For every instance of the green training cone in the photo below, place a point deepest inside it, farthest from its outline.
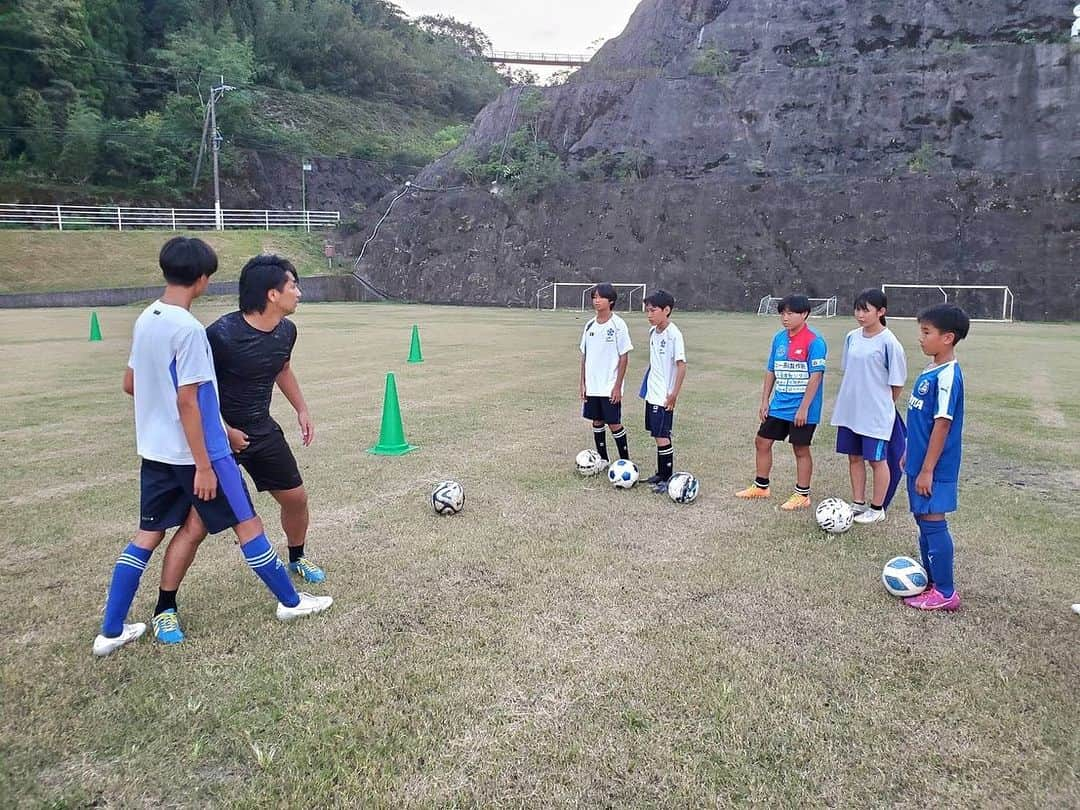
(392, 433)
(95, 328)
(415, 355)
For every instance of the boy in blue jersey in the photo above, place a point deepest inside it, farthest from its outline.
(790, 401)
(187, 464)
(935, 427)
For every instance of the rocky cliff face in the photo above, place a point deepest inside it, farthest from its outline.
(820, 146)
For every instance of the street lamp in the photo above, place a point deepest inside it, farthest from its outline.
(306, 166)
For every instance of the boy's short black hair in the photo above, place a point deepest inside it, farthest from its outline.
(607, 291)
(794, 303)
(660, 299)
(184, 260)
(947, 318)
(260, 275)
(871, 298)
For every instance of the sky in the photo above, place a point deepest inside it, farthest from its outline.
(563, 26)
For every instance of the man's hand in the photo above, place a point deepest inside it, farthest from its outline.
(238, 440)
(307, 427)
(583, 397)
(924, 484)
(800, 416)
(205, 484)
(669, 403)
(616, 395)
(763, 412)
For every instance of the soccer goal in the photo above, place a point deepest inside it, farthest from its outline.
(578, 295)
(987, 303)
(822, 307)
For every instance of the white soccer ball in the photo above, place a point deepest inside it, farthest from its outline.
(447, 498)
(682, 487)
(903, 576)
(834, 515)
(589, 462)
(623, 473)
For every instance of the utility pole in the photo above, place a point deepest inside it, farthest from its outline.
(305, 167)
(210, 125)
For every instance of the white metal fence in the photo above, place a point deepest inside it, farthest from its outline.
(76, 217)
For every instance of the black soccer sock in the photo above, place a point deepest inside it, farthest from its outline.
(802, 490)
(665, 461)
(858, 503)
(877, 507)
(621, 443)
(166, 600)
(599, 435)
(296, 552)
(761, 483)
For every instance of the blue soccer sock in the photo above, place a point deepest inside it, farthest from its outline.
(939, 552)
(924, 551)
(125, 582)
(264, 561)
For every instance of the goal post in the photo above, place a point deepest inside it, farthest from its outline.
(578, 295)
(821, 307)
(987, 303)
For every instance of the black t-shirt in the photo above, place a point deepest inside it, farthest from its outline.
(247, 362)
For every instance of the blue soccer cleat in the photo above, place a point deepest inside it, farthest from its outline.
(307, 571)
(167, 627)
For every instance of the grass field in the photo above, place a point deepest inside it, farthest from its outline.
(558, 643)
(46, 261)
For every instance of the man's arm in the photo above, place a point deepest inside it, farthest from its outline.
(187, 402)
(616, 392)
(290, 387)
(924, 484)
(582, 377)
(680, 375)
(811, 389)
(129, 381)
(896, 391)
(766, 393)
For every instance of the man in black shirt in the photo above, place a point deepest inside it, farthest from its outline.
(252, 351)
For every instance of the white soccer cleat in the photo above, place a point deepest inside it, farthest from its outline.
(103, 645)
(870, 516)
(1076, 608)
(307, 606)
(858, 508)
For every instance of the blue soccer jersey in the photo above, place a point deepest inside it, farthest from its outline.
(938, 393)
(793, 359)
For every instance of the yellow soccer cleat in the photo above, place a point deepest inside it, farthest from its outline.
(753, 491)
(796, 501)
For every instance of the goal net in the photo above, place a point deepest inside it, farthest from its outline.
(988, 303)
(578, 295)
(822, 307)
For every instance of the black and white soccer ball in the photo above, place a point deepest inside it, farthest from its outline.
(589, 462)
(834, 515)
(448, 498)
(623, 473)
(682, 487)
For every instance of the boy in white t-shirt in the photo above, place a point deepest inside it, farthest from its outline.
(187, 464)
(667, 370)
(605, 349)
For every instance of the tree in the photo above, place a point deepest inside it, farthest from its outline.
(468, 37)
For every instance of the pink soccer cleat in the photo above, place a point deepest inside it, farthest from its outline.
(933, 600)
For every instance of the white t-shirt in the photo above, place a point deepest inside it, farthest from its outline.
(603, 344)
(870, 365)
(168, 349)
(666, 349)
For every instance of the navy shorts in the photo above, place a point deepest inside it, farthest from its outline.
(658, 421)
(270, 462)
(168, 493)
(602, 409)
(780, 429)
(851, 443)
(944, 496)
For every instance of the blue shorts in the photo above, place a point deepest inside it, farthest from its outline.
(943, 497)
(602, 409)
(851, 443)
(658, 421)
(168, 493)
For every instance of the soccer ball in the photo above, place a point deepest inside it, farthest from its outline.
(447, 498)
(904, 577)
(834, 515)
(589, 462)
(682, 487)
(623, 473)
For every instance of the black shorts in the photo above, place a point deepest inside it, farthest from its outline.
(270, 462)
(780, 429)
(602, 409)
(168, 493)
(658, 421)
